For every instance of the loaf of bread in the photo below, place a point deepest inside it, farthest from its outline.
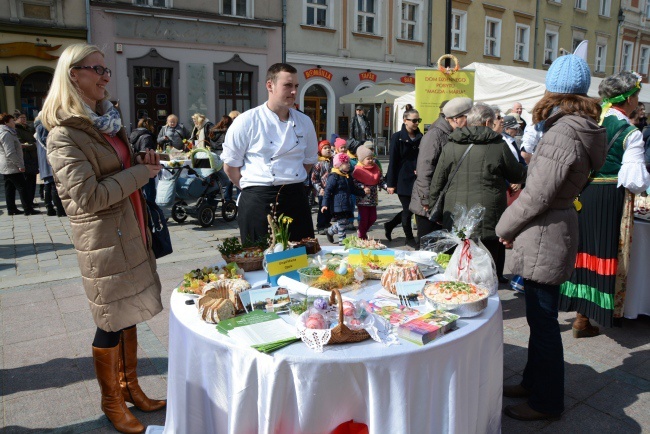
(213, 310)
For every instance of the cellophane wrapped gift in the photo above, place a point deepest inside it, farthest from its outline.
(471, 262)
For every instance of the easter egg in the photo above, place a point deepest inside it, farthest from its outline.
(315, 321)
(320, 303)
(348, 308)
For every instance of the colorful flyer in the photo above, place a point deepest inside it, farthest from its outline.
(382, 258)
(286, 263)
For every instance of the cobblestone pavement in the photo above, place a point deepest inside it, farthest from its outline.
(47, 377)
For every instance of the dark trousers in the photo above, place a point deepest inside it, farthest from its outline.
(498, 252)
(323, 218)
(30, 188)
(15, 182)
(52, 199)
(104, 339)
(544, 372)
(425, 226)
(403, 217)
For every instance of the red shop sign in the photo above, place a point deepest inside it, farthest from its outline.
(367, 76)
(318, 72)
(408, 79)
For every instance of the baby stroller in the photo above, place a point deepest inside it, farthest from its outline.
(199, 194)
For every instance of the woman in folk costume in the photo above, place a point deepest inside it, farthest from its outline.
(596, 289)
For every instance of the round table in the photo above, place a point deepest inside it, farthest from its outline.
(451, 385)
(637, 296)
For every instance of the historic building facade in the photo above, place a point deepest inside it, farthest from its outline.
(32, 36)
(634, 37)
(195, 56)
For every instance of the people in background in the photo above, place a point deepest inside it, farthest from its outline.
(50, 195)
(201, 132)
(452, 116)
(218, 134)
(172, 134)
(30, 155)
(142, 140)
(368, 177)
(404, 149)
(360, 130)
(99, 181)
(319, 174)
(518, 109)
(12, 167)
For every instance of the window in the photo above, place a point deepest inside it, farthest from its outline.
(43, 10)
(626, 58)
(366, 16)
(235, 92)
(550, 47)
(237, 8)
(522, 34)
(581, 4)
(643, 59)
(576, 42)
(647, 9)
(458, 30)
(601, 58)
(605, 6)
(492, 36)
(409, 24)
(157, 3)
(316, 13)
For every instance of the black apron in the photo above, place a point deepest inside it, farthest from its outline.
(255, 205)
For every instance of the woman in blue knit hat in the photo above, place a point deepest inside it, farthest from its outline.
(596, 289)
(542, 227)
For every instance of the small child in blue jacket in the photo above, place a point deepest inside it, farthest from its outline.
(340, 186)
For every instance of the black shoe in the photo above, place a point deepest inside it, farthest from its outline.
(15, 212)
(388, 229)
(32, 212)
(411, 243)
(51, 212)
(503, 279)
(61, 214)
(330, 237)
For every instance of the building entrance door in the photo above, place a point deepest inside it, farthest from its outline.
(316, 109)
(153, 95)
(33, 91)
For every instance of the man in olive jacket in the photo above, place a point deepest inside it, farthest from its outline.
(452, 116)
(482, 176)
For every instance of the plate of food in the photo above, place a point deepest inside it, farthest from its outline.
(461, 298)
(354, 242)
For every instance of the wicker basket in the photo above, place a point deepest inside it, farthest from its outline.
(342, 333)
(247, 264)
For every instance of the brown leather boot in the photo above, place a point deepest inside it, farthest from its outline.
(582, 328)
(106, 367)
(131, 390)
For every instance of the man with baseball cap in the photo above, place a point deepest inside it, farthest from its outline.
(455, 116)
(360, 126)
(511, 129)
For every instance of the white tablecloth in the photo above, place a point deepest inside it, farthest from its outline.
(452, 385)
(637, 297)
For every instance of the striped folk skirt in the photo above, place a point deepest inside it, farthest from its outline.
(597, 287)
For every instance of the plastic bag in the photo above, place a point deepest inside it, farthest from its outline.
(471, 262)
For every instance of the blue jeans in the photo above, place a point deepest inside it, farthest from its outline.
(544, 372)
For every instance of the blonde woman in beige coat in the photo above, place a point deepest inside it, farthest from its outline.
(99, 182)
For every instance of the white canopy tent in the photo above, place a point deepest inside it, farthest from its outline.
(383, 92)
(503, 86)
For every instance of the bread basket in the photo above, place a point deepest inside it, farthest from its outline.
(247, 264)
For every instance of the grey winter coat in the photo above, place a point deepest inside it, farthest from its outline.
(430, 150)
(11, 152)
(543, 221)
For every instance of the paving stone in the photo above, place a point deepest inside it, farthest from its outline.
(55, 373)
(585, 419)
(24, 314)
(23, 297)
(78, 320)
(46, 256)
(620, 400)
(582, 381)
(73, 304)
(67, 290)
(46, 326)
(36, 352)
(35, 411)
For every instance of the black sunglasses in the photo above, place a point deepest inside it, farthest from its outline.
(415, 121)
(100, 70)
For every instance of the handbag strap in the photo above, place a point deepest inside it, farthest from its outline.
(451, 177)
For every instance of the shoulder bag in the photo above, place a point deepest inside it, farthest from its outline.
(436, 212)
(161, 242)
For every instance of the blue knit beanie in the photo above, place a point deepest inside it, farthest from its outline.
(568, 74)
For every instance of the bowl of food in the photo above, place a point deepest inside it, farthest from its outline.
(309, 275)
(463, 299)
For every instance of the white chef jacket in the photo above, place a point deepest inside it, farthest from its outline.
(268, 150)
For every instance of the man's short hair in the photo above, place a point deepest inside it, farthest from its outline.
(275, 69)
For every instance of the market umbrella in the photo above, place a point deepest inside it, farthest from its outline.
(383, 92)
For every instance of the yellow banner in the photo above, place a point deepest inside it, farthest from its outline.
(432, 87)
(383, 258)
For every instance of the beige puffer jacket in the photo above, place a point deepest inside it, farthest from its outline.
(118, 268)
(543, 221)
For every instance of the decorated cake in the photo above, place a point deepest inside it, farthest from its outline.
(450, 292)
(400, 271)
(310, 244)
